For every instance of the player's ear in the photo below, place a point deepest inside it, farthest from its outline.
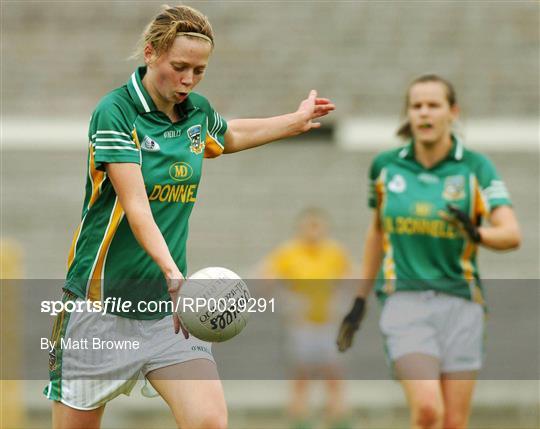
(149, 54)
(455, 111)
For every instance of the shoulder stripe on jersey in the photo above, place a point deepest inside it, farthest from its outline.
(213, 126)
(220, 122)
(217, 124)
(95, 282)
(117, 133)
(116, 148)
(139, 93)
(497, 188)
(495, 184)
(116, 140)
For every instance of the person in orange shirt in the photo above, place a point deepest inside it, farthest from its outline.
(310, 266)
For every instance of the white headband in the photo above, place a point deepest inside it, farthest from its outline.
(199, 35)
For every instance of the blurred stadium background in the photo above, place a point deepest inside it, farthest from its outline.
(59, 58)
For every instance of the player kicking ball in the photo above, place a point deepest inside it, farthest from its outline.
(148, 139)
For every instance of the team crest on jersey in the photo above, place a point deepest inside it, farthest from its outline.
(194, 134)
(149, 145)
(397, 184)
(454, 188)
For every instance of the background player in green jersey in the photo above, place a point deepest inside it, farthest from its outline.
(429, 199)
(147, 142)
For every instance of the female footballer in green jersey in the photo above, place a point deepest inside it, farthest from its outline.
(147, 142)
(429, 198)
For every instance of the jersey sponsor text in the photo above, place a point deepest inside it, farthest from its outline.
(174, 193)
(436, 228)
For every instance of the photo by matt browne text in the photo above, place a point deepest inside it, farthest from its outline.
(147, 142)
(429, 200)
(93, 343)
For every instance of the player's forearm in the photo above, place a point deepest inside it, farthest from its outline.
(503, 233)
(128, 184)
(500, 237)
(151, 240)
(371, 262)
(245, 134)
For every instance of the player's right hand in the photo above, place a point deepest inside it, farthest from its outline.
(311, 108)
(173, 286)
(350, 324)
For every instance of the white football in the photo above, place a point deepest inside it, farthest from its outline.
(213, 304)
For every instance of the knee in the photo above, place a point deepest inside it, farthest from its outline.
(207, 420)
(428, 415)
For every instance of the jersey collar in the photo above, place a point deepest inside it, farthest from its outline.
(456, 153)
(142, 99)
(138, 92)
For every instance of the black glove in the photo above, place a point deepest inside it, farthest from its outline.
(465, 223)
(350, 324)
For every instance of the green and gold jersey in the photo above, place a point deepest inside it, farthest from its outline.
(105, 259)
(421, 250)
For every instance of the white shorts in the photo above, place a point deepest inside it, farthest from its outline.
(312, 344)
(87, 369)
(440, 325)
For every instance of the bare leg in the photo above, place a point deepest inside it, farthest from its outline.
(64, 417)
(335, 408)
(419, 376)
(193, 392)
(298, 408)
(457, 391)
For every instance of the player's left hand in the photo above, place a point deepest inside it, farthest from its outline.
(312, 108)
(462, 221)
(351, 324)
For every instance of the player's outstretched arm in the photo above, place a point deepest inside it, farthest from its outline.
(245, 134)
(128, 184)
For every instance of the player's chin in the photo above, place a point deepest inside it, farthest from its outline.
(426, 137)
